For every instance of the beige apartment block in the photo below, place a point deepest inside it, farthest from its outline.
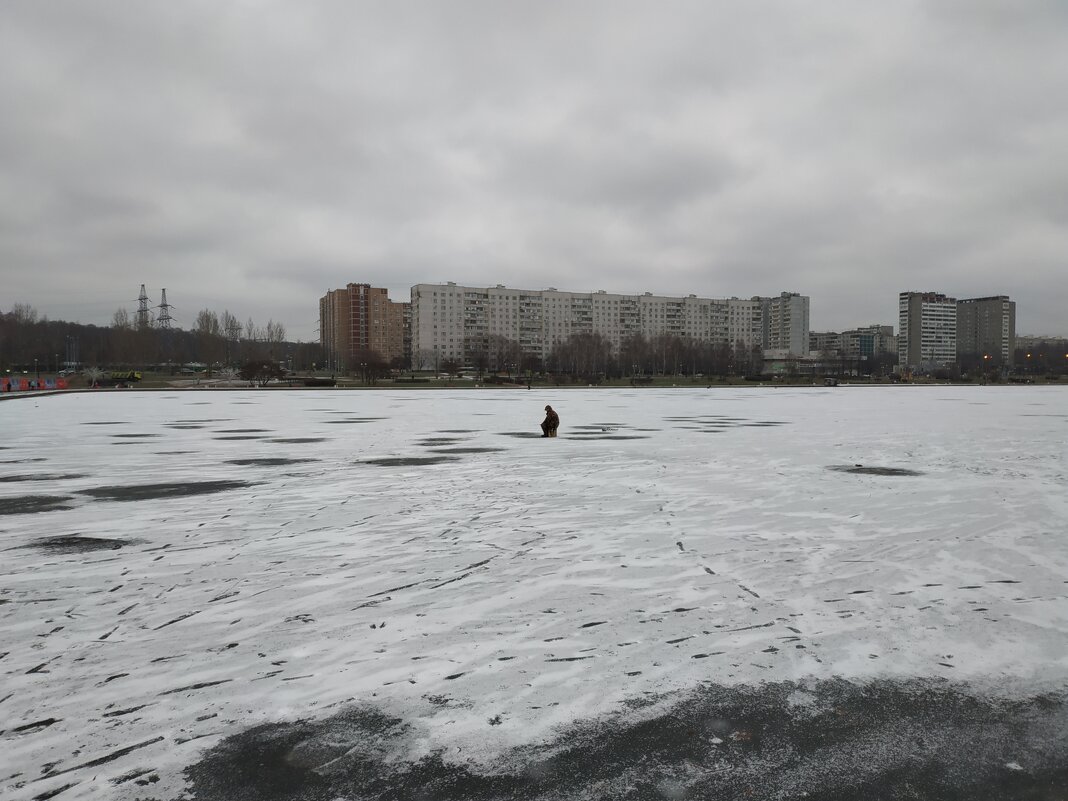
(452, 322)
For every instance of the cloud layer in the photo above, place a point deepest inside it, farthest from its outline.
(254, 155)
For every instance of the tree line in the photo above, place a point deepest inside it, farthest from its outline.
(590, 355)
(28, 339)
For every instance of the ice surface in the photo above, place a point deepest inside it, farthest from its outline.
(205, 561)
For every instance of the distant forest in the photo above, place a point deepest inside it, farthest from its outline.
(29, 341)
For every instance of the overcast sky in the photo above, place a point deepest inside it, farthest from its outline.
(252, 155)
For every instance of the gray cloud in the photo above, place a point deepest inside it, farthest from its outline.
(252, 156)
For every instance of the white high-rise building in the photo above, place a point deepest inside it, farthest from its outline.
(451, 321)
(455, 322)
(927, 330)
(785, 323)
(745, 323)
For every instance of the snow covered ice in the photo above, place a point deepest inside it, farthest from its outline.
(176, 568)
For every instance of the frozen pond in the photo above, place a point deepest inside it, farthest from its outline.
(426, 582)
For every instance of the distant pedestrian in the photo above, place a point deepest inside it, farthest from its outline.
(550, 423)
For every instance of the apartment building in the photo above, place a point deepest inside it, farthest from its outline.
(856, 343)
(454, 322)
(824, 342)
(927, 330)
(986, 327)
(868, 341)
(361, 320)
(745, 323)
(785, 326)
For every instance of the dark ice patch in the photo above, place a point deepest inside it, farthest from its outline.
(275, 762)
(519, 434)
(715, 424)
(244, 431)
(76, 543)
(269, 461)
(296, 440)
(145, 492)
(41, 477)
(864, 470)
(134, 436)
(826, 740)
(584, 436)
(29, 504)
(469, 450)
(410, 461)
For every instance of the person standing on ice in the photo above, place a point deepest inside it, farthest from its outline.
(550, 423)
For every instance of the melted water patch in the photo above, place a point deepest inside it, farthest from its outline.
(828, 740)
(76, 543)
(145, 492)
(30, 504)
(409, 461)
(269, 461)
(872, 470)
(41, 477)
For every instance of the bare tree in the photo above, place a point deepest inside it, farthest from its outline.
(585, 355)
(476, 353)
(23, 314)
(208, 323)
(254, 337)
(275, 336)
(276, 332)
(261, 372)
(504, 353)
(209, 337)
(369, 365)
(426, 359)
(232, 330)
(450, 366)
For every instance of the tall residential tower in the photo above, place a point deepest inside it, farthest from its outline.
(927, 330)
(986, 328)
(361, 322)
